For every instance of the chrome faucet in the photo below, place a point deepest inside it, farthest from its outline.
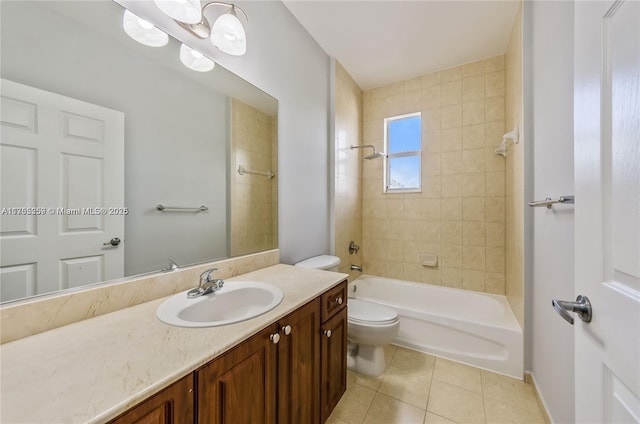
(207, 284)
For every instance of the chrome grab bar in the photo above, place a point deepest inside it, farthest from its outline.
(581, 306)
(548, 201)
(163, 208)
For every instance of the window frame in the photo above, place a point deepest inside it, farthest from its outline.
(408, 153)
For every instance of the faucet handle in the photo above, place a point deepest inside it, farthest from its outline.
(205, 277)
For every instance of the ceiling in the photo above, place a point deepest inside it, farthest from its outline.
(382, 42)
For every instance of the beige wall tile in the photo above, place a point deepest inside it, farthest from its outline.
(494, 107)
(451, 139)
(431, 164)
(451, 162)
(451, 74)
(473, 185)
(473, 160)
(452, 185)
(451, 116)
(452, 257)
(494, 283)
(473, 209)
(495, 184)
(473, 257)
(495, 259)
(452, 277)
(473, 69)
(431, 97)
(431, 231)
(451, 93)
(494, 64)
(494, 84)
(452, 233)
(495, 233)
(473, 136)
(431, 209)
(473, 280)
(473, 112)
(495, 209)
(472, 88)
(451, 209)
(473, 233)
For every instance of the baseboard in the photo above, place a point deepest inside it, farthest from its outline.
(528, 378)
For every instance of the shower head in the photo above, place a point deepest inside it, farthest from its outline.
(373, 155)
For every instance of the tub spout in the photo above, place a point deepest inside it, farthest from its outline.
(356, 268)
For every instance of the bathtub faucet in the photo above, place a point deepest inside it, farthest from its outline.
(356, 268)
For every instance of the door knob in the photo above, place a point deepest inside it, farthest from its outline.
(113, 242)
(582, 307)
(327, 333)
(286, 329)
(275, 338)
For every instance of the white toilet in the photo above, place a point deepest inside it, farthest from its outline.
(370, 326)
(326, 262)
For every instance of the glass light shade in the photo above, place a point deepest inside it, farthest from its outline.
(143, 31)
(228, 35)
(195, 60)
(187, 11)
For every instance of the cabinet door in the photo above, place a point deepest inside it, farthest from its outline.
(299, 366)
(334, 362)
(240, 386)
(173, 405)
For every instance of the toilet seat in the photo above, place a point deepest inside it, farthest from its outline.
(362, 311)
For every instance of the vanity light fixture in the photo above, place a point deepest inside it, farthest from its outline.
(187, 11)
(227, 33)
(195, 60)
(143, 31)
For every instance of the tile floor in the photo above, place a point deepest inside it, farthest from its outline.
(417, 388)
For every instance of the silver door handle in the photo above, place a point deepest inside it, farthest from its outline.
(113, 242)
(582, 307)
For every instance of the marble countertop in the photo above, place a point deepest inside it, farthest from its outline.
(93, 370)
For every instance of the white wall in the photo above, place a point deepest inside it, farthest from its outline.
(549, 107)
(286, 62)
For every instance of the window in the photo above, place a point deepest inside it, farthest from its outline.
(403, 144)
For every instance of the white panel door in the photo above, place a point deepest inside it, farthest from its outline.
(607, 182)
(62, 192)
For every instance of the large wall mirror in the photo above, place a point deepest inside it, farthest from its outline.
(116, 158)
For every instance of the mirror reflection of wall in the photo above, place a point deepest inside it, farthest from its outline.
(177, 138)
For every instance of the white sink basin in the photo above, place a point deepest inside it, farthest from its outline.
(236, 301)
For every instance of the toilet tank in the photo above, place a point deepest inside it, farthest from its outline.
(326, 262)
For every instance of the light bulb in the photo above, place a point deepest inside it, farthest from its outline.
(228, 34)
(143, 31)
(195, 60)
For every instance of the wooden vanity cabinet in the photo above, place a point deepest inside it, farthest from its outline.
(299, 366)
(240, 386)
(173, 405)
(333, 349)
(292, 372)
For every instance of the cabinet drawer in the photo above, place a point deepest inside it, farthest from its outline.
(333, 300)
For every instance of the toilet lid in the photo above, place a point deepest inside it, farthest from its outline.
(362, 310)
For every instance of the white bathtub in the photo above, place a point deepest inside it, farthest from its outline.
(475, 328)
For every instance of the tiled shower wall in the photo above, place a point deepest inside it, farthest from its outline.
(253, 197)
(460, 213)
(348, 183)
(514, 270)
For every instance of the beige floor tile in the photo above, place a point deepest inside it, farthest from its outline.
(354, 404)
(509, 390)
(436, 419)
(458, 374)
(389, 352)
(411, 387)
(386, 410)
(363, 380)
(502, 413)
(412, 360)
(457, 404)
